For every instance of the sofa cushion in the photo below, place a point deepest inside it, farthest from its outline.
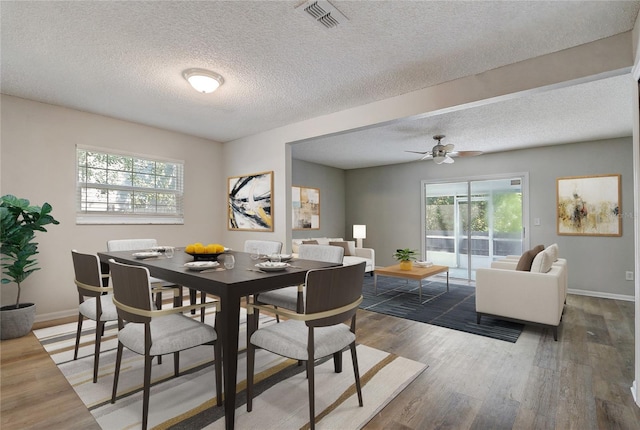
(310, 242)
(345, 245)
(542, 262)
(553, 250)
(524, 264)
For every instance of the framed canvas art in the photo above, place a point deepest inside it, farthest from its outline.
(589, 205)
(251, 202)
(306, 208)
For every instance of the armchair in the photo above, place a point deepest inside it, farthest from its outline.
(527, 297)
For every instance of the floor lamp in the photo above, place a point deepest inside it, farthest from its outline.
(359, 233)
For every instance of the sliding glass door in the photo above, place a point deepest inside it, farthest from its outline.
(468, 224)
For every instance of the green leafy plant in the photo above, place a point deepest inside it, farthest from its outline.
(18, 223)
(405, 254)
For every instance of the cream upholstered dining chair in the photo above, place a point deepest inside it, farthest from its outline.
(95, 302)
(263, 247)
(293, 297)
(150, 332)
(333, 296)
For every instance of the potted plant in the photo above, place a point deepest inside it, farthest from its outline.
(406, 257)
(19, 222)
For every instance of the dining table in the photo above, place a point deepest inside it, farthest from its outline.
(230, 286)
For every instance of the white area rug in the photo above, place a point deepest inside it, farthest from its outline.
(189, 401)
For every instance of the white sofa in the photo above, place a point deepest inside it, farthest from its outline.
(535, 296)
(356, 256)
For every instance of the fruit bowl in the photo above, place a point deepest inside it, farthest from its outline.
(205, 257)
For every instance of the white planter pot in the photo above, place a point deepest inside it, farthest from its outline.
(16, 322)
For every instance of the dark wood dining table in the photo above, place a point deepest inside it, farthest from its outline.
(230, 286)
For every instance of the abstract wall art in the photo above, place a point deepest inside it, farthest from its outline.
(589, 205)
(306, 208)
(251, 202)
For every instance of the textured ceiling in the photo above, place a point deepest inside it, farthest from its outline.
(125, 59)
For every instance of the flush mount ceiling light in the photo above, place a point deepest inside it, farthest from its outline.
(203, 81)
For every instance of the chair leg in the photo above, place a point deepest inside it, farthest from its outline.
(251, 353)
(80, 320)
(147, 388)
(116, 373)
(159, 300)
(176, 363)
(312, 395)
(96, 351)
(356, 371)
(217, 356)
(193, 299)
(203, 300)
(337, 362)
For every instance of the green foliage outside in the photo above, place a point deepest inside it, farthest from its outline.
(507, 214)
(145, 186)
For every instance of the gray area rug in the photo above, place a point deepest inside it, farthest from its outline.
(455, 309)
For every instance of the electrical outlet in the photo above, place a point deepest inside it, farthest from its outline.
(628, 276)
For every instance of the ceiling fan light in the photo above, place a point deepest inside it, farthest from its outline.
(203, 81)
(438, 159)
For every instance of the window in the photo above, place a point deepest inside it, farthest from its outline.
(116, 188)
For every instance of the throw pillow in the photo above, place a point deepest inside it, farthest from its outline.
(309, 242)
(553, 250)
(524, 264)
(542, 262)
(344, 245)
(352, 247)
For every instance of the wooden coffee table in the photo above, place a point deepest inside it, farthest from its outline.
(417, 273)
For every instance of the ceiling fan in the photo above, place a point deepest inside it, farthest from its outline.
(443, 153)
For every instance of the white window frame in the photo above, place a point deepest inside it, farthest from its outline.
(107, 216)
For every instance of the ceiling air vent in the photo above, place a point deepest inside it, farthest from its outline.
(323, 12)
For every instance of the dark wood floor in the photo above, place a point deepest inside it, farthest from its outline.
(580, 382)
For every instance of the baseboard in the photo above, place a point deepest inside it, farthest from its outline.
(56, 315)
(601, 295)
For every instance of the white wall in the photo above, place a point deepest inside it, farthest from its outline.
(388, 200)
(635, 389)
(39, 163)
(331, 182)
(270, 150)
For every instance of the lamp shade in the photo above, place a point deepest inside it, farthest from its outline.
(359, 231)
(203, 81)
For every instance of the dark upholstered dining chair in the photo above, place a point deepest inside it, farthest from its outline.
(333, 296)
(95, 302)
(150, 332)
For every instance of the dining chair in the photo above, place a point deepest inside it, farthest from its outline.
(95, 302)
(159, 285)
(333, 296)
(263, 247)
(292, 298)
(150, 332)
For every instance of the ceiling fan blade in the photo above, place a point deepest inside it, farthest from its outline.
(426, 156)
(448, 147)
(468, 153)
(420, 152)
(448, 160)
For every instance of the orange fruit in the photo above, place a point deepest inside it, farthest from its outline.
(190, 249)
(199, 248)
(211, 248)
